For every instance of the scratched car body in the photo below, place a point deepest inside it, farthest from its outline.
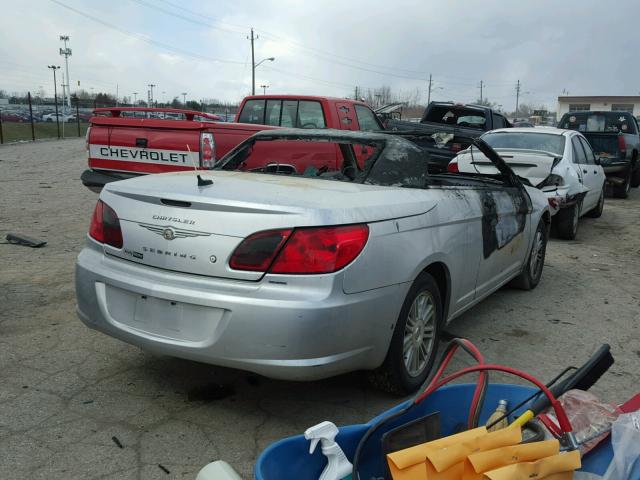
(309, 274)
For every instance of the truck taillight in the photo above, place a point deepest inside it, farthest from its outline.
(622, 145)
(455, 147)
(301, 251)
(207, 150)
(105, 225)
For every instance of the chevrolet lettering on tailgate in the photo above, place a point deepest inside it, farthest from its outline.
(144, 155)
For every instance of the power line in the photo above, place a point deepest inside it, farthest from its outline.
(144, 38)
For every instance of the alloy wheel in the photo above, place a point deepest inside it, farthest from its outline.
(419, 333)
(537, 254)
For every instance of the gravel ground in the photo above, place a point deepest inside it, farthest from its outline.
(71, 397)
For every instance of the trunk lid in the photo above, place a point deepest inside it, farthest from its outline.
(533, 165)
(169, 222)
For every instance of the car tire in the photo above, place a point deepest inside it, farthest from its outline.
(596, 212)
(623, 190)
(566, 222)
(414, 343)
(635, 176)
(530, 276)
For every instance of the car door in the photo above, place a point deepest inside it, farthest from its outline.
(594, 178)
(583, 168)
(504, 233)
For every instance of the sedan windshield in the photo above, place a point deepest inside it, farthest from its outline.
(546, 142)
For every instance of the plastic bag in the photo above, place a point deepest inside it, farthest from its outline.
(588, 417)
(625, 439)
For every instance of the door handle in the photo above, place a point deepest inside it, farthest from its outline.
(595, 171)
(584, 170)
(141, 142)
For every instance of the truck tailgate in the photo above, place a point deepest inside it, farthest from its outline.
(144, 145)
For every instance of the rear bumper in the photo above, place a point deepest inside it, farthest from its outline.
(94, 180)
(304, 329)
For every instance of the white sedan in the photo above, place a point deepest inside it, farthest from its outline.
(559, 162)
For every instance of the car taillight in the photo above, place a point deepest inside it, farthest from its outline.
(622, 146)
(207, 150)
(453, 167)
(301, 251)
(105, 225)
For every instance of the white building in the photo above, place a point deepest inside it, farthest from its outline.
(601, 103)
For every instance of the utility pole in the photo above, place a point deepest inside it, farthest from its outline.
(429, 94)
(184, 98)
(481, 84)
(66, 52)
(135, 98)
(117, 94)
(515, 114)
(150, 92)
(55, 95)
(253, 64)
(355, 95)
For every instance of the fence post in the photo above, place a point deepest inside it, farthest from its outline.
(78, 114)
(1, 132)
(33, 132)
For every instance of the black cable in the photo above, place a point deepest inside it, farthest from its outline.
(531, 397)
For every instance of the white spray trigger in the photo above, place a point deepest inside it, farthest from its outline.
(338, 466)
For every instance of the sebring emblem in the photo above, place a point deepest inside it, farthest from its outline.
(168, 234)
(171, 233)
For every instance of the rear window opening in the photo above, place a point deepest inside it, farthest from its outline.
(545, 142)
(283, 113)
(458, 116)
(605, 122)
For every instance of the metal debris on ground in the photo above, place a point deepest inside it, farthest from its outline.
(17, 239)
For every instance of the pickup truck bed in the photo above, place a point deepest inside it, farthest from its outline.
(122, 144)
(447, 128)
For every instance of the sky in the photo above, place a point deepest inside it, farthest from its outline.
(326, 47)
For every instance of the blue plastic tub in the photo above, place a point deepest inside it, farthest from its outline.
(289, 458)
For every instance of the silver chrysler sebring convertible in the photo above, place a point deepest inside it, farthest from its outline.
(306, 254)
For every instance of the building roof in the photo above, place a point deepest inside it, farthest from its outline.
(600, 98)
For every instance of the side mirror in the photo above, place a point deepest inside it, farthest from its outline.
(598, 161)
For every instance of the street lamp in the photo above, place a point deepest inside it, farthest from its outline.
(264, 89)
(253, 73)
(55, 95)
(135, 98)
(184, 98)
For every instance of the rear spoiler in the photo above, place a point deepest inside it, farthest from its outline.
(188, 114)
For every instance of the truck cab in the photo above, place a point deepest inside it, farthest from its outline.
(305, 111)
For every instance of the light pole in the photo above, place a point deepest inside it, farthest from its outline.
(264, 89)
(135, 98)
(55, 95)
(150, 100)
(184, 98)
(66, 52)
(164, 98)
(253, 71)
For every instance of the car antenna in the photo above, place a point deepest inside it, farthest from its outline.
(201, 181)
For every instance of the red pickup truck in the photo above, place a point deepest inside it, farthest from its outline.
(127, 141)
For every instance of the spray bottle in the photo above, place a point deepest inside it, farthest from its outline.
(338, 466)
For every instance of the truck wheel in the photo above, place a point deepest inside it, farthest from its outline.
(566, 222)
(623, 190)
(596, 212)
(415, 340)
(530, 276)
(635, 177)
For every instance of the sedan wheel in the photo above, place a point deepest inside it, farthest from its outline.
(414, 342)
(532, 272)
(566, 222)
(418, 334)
